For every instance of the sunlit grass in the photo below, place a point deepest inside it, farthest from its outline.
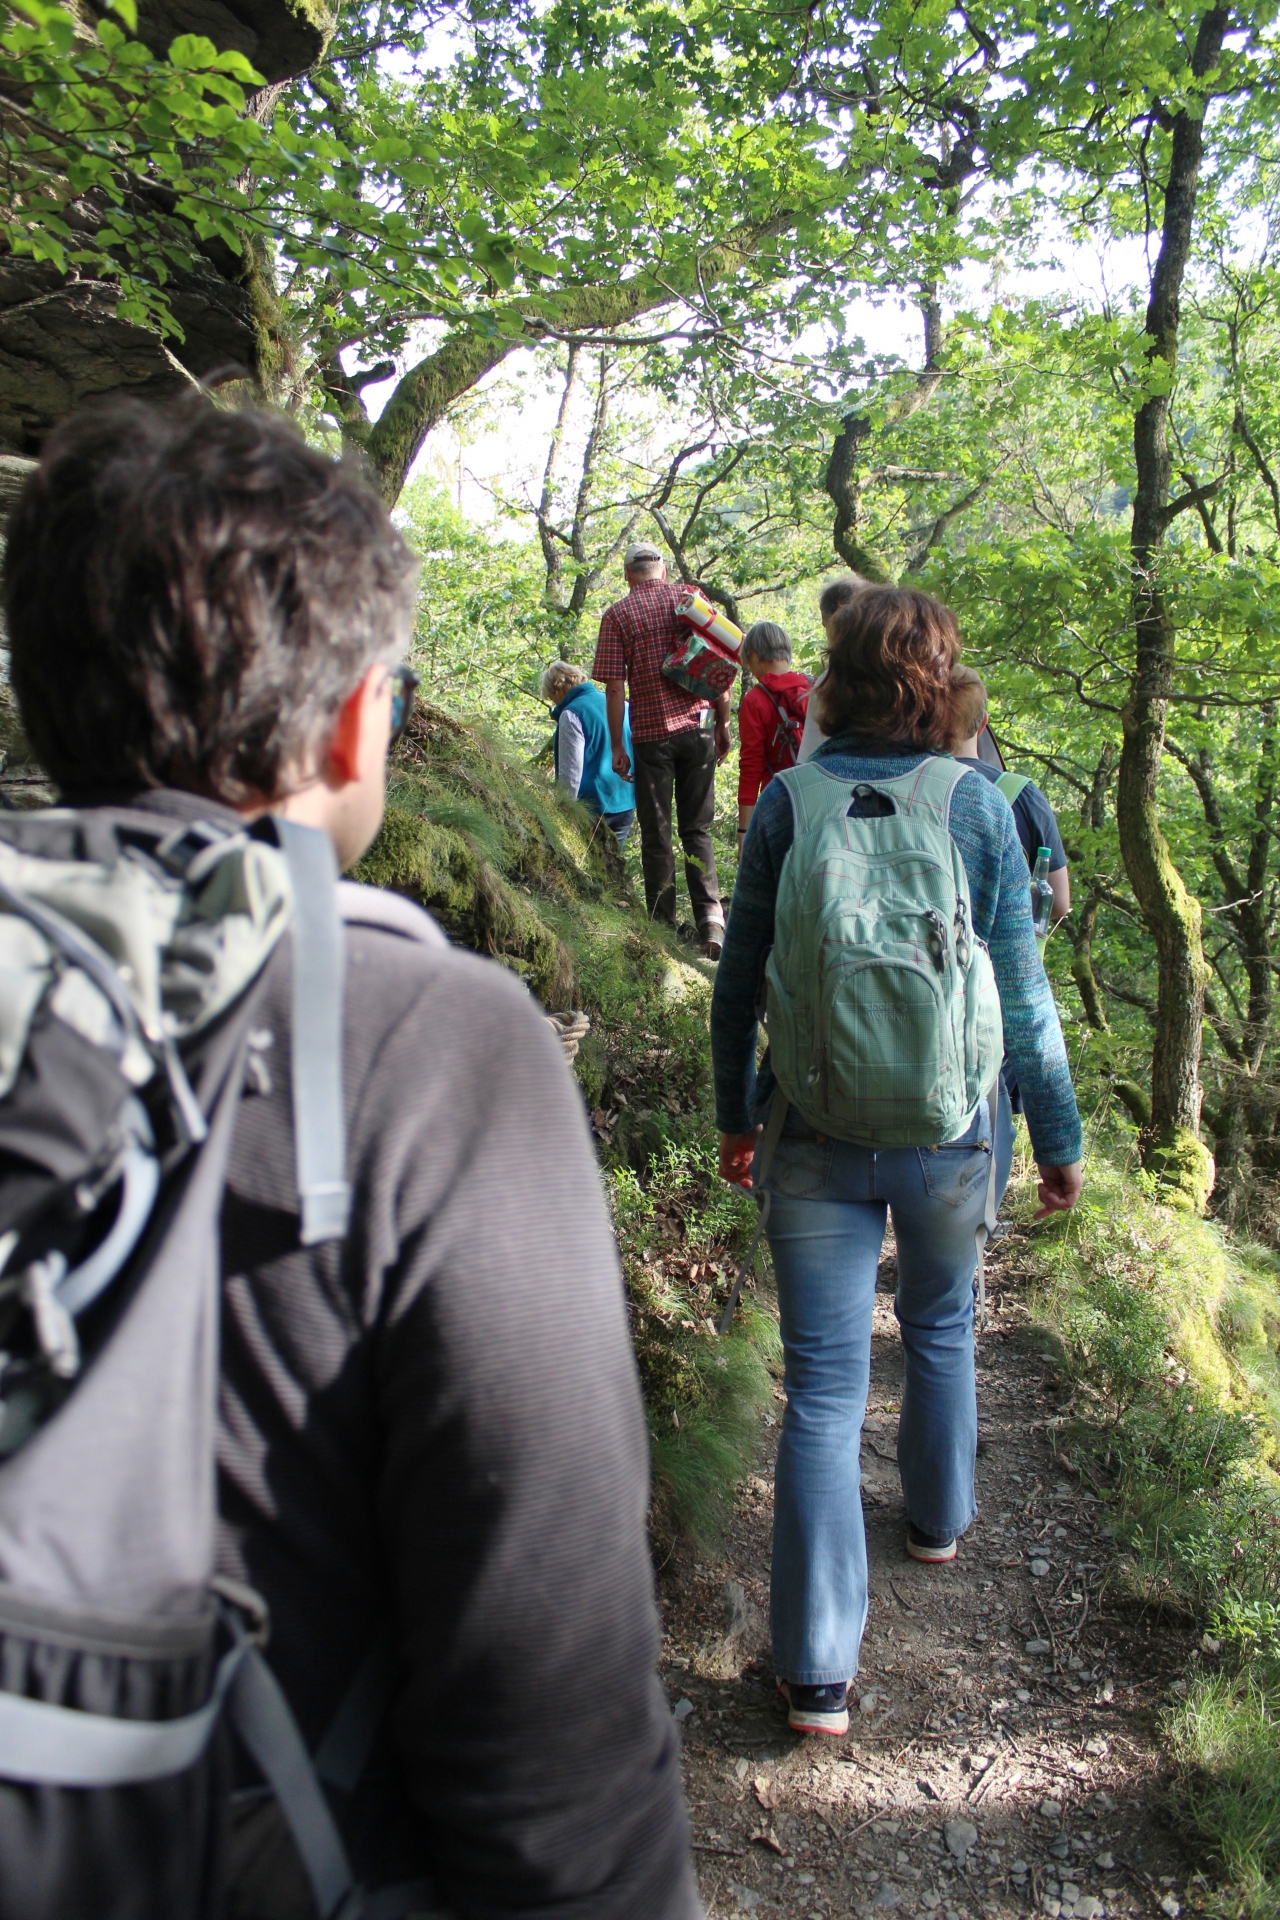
(1169, 1332)
(1225, 1739)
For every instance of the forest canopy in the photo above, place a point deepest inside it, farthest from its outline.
(676, 211)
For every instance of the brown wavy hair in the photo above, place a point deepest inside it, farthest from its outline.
(892, 652)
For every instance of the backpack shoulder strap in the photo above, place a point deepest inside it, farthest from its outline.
(929, 787)
(318, 1114)
(1011, 785)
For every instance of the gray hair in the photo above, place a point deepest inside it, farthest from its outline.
(557, 679)
(767, 641)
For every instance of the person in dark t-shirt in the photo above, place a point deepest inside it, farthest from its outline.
(1037, 827)
(1032, 814)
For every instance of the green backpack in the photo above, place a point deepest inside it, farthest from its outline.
(883, 1014)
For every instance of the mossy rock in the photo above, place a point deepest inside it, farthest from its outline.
(591, 1068)
(1184, 1168)
(490, 847)
(441, 870)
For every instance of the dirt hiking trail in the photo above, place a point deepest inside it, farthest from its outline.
(1002, 1755)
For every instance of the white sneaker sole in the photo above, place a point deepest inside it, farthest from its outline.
(805, 1720)
(931, 1556)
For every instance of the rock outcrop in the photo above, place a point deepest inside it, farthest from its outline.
(61, 342)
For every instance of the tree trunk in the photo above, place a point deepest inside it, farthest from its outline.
(587, 575)
(1086, 923)
(841, 482)
(552, 555)
(1171, 1144)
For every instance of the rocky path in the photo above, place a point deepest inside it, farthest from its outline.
(1002, 1757)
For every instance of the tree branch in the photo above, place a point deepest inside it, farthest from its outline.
(1192, 499)
(1240, 427)
(428, 389)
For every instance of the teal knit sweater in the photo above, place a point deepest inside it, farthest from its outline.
(983, 829)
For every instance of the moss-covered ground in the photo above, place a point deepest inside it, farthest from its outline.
(512, 869)
(1169, 1331)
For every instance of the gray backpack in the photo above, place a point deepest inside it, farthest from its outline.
(883, 1013)
(884, 1018)
(132, 955)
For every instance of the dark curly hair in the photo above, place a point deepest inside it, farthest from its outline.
(191, 595)
(892, 651)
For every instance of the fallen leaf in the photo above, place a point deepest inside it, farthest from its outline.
(766, 1792)
(766, 1837)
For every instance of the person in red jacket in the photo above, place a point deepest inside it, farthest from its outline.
(770, 716)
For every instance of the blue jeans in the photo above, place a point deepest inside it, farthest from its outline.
(827, 1209)
(1004, 1141)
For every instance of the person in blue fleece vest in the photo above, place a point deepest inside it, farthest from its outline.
(583, 750)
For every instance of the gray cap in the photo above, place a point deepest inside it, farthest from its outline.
(640, 550)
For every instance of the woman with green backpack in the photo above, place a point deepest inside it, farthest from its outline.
(881, 911)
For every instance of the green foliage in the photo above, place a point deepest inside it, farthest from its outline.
(484, 632)
(157, 147)
(678, 1232)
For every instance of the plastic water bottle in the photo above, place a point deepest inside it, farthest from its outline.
(1041, 898)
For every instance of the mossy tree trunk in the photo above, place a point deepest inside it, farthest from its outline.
(1083, 925)
(1172, 914)
(1246, 1108)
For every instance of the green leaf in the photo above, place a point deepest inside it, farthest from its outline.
(192, 52)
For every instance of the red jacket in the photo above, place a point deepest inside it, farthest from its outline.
(764, 748)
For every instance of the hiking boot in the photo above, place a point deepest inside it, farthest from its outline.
(713, 943)
(817, 1709)
(928, 1547)
(687, 934)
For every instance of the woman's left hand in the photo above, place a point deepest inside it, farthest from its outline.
(737, 1151)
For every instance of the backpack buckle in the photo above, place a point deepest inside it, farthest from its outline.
(937, 935)
(243, 1608)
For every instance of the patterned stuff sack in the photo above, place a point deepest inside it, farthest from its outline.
(884, 1018)
(705, 661)
(133, 952)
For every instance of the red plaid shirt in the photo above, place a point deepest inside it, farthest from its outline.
(636, 635)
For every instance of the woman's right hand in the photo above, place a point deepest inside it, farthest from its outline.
(1060, 1188)
(737, 1151)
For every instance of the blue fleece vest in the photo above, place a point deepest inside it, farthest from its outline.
(602, 789)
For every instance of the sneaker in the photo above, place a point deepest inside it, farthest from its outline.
(927, 1546)
(816, 1709)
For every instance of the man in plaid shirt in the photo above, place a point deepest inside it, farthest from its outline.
(672, 753)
